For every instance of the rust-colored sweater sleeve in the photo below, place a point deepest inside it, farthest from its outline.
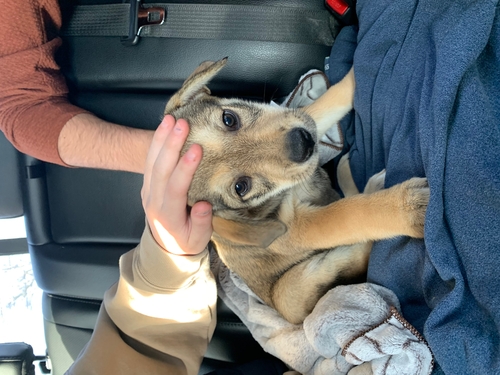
(33, 93)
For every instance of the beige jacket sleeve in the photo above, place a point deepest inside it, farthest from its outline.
(158, 318)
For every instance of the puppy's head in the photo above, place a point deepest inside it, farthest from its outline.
(251, 151)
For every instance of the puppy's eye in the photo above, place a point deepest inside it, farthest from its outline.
(231, 120)
(243, 186)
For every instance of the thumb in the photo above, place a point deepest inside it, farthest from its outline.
(201, 226)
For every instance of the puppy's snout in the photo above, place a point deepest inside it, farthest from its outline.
(300, 145)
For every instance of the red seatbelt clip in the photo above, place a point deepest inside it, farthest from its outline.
(343, 10)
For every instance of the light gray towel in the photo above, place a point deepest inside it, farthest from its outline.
(354, 329)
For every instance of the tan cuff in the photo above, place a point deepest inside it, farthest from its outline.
(161, 270)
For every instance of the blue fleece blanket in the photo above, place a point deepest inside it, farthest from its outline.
(427, 103)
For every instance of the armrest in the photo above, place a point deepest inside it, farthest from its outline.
(16, 358)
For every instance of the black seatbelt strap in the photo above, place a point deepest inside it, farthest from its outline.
(203, 21)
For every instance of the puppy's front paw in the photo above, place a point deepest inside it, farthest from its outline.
(415, 198)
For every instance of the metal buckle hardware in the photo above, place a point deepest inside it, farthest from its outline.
(140, 17)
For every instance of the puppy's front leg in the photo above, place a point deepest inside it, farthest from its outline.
(296, 293)
(399, 210)
(333, 105)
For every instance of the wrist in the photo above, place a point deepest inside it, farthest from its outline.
(167, 242)
(162, 269)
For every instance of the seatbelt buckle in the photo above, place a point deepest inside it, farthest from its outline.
(140, 17)
(343, 10)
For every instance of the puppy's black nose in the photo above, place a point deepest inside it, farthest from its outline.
(300, 145)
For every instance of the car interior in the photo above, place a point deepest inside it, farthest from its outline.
(80, 221)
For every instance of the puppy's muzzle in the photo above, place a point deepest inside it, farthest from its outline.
(300, 145)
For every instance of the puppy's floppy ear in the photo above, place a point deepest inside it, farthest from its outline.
(194, 87)
(262, 233)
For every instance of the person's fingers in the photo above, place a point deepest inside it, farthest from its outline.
(176, 191)
(167, 179)
(167, 160)
(157, 143)
(201, 226)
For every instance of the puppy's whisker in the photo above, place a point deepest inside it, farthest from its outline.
(306, 186)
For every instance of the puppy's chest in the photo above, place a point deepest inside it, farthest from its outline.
(317, 191)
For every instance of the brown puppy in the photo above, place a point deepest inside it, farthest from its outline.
(277, 222)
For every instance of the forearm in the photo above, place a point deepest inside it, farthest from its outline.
(87, 141)
(158, 318)
(35, 114)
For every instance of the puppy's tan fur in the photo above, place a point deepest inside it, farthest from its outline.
(289, 237)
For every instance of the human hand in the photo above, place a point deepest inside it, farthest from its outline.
(167, 177)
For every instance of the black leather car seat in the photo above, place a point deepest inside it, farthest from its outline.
(79, 221)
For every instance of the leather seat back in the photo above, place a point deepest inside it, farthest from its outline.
(79, 221)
